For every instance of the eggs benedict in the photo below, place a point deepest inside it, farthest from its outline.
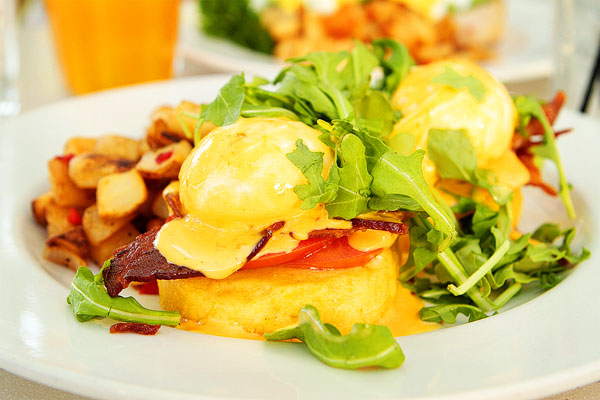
(236, 184)
(252, 255)
(461, 96)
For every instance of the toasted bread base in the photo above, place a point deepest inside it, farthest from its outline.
(266, 299)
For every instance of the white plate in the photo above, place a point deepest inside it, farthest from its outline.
(525, 52)
(544, 346)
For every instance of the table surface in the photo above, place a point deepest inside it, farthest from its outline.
(40, 86)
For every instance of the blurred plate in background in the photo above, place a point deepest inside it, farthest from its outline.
(525, 52)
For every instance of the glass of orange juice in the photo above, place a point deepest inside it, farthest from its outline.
(107, 43)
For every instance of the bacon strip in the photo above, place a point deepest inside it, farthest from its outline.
(399, 228)
(267, 235)
(134, 327)
(359, 224)
(535, 174)
(140, 261)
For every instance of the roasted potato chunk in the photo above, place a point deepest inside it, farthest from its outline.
(64, 190)
(169, 124)
(120, 195)
(69, 248)
(85, 170)
(104, 250)
(118, 146)
(164, 163)
(98, 229)
(60, 219)
(79, 145)
(160, 207)
(39, 206)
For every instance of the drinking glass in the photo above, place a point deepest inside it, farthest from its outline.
(107, 43)
(9, 60)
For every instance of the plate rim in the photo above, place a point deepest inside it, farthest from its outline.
(36, 371)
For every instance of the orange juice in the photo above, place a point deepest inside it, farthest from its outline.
(106, 43)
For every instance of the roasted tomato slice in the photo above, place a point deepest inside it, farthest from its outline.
(304, 248)
(317, 253)
(337, 254)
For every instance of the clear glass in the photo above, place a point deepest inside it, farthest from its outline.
(564, 48)
(9, 60)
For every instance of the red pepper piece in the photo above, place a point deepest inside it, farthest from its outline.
(66, 157)
(73, 217)
(162, 157)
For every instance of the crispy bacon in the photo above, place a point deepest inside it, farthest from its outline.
(267, 235)
(359, 224)
(398, 228)
(134, 327)
(140, 261)
(535, 175)
(551, 110)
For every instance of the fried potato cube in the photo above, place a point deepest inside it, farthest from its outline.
(118, 146)
(79, 145)
(57, 218)
(69, 248)
(170, 124)
(164, 163)
(85, 170)
(103, 251)
(39, 206)
(98, 229)
(160, 207)
(171, 196)
(64, 190)
(120, 195)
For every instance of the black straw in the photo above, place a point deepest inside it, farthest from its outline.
(593, 78)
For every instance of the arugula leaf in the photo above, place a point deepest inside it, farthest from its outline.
(226, 107)
(395, 60)
(374, 114)
(547, 233)
(402, 143)
(253, 111)
(452, 153)
(455, 158)
(311, 165)
(400, 175)
(365, 346)
(354, 181)
(527, 105)
(453, 79)
(447, 313)
(88, 299)
(394, 202)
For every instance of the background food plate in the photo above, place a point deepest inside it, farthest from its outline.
(525, 52)
(547, 345)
